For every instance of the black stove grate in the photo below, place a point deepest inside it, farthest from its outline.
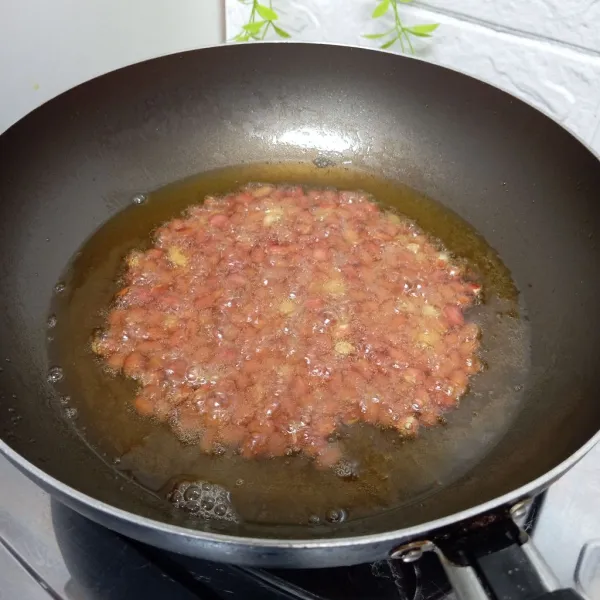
(106, 566)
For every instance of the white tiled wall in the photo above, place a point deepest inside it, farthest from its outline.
(546, 51)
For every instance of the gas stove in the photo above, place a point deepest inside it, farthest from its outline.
(49, 552)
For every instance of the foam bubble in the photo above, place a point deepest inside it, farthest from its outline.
(71, 413)
(204, 500)
(207, 503)
(346, 469)
(55, 374)
(192, 494)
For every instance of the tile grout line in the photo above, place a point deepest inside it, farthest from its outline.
(518, 33)
(29, 570)
(503, 29)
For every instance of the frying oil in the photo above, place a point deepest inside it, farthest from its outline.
(380, 471)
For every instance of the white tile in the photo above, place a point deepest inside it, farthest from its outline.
(569, 21)
(558, 80)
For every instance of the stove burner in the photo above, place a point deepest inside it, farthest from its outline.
(387, 579)
(421, 580)
(86, 560)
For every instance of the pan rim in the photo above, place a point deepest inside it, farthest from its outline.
(529, 489)
(228, 44)
(533, 487)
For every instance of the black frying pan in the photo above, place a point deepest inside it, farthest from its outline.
(524, 183)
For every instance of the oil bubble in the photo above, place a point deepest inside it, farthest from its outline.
(336, 515)
(192, 507)
(176, 498)
(55, 374)
(65, 400)
(207, 503)
(192, 493)
(71, 413)
(322, 162)
(220, 510)
(51, 321)
(239, 482)
(219, 450)
(314, 520)
(60, 287)
(139, 199)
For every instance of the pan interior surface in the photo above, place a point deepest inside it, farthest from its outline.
(379, 470)
(520, 180)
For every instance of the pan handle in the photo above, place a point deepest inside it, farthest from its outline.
(495, 560)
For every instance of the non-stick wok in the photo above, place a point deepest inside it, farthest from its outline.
(525, 183)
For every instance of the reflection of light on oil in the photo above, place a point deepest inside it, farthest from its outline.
(319, 139)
